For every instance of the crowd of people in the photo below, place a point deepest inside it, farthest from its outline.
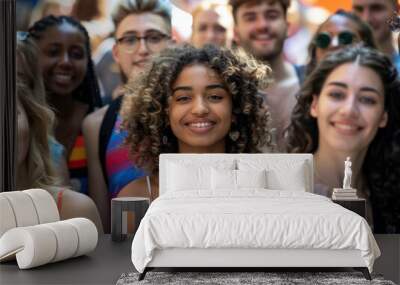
(230, 89)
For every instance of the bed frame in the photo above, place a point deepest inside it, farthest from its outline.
(247, 259)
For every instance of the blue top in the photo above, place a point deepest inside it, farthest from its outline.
(396, 61)
(57, 151)
(120, 169)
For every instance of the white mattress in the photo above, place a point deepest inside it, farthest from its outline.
(253, 218)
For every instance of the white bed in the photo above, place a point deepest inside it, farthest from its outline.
(248, 210)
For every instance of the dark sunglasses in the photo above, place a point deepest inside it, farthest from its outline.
(323, 40)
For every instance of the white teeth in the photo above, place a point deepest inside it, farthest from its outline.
(346, 127)
(263, 37)
(200, 125)
(63, 77)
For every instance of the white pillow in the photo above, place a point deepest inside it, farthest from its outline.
(236, 179)
(251, 178)
(292, 179)
(183, 177)
(187, 174)
(223, 179)
(282, 174)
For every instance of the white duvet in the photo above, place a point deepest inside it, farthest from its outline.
(253, 218)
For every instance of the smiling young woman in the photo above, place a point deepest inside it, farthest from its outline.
(35, 168)
(349, 107)
(200, 112)
(71, 85)
(194, 101)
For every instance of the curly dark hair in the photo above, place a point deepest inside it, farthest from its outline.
(144, 110)
(88, 92)
(381, 166)
(363, 30)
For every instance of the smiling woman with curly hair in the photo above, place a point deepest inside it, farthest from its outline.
(194, 101)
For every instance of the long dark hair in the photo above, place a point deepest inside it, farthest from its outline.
(381, 166)
(88, 92)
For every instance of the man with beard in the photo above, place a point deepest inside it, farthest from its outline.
(261, 29)
(377, 14)
(142, 30)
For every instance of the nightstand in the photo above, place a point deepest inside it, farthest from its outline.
(358, 205)
(119, 211)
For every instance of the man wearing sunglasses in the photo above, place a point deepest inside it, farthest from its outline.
(142, 30)
(377, 14)
(260, 27)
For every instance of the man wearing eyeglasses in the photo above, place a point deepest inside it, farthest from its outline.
(138, 37)
(377, 13)
(260, 27)
(142, 30)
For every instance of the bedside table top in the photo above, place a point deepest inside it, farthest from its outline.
(349, 200)
(130, 199)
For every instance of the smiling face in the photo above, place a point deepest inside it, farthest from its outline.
(208, 28)
(349, 109)
(200, 110)
(376, 13)
(144, 24)
(336, 25)
(63, 58)
(261, 29)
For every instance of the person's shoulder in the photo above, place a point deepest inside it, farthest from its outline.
(65, 192)
(91, 124)
(71, 194)
(79, 202)
(75, 204)
(95, 117)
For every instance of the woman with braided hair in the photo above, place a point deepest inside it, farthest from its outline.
(71, 85)
(35, 167)
(194, 101)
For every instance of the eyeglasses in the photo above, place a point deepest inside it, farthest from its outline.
(323, 40)
(131, 43)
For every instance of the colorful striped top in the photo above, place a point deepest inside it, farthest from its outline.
(77, 165)
(119, 168)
